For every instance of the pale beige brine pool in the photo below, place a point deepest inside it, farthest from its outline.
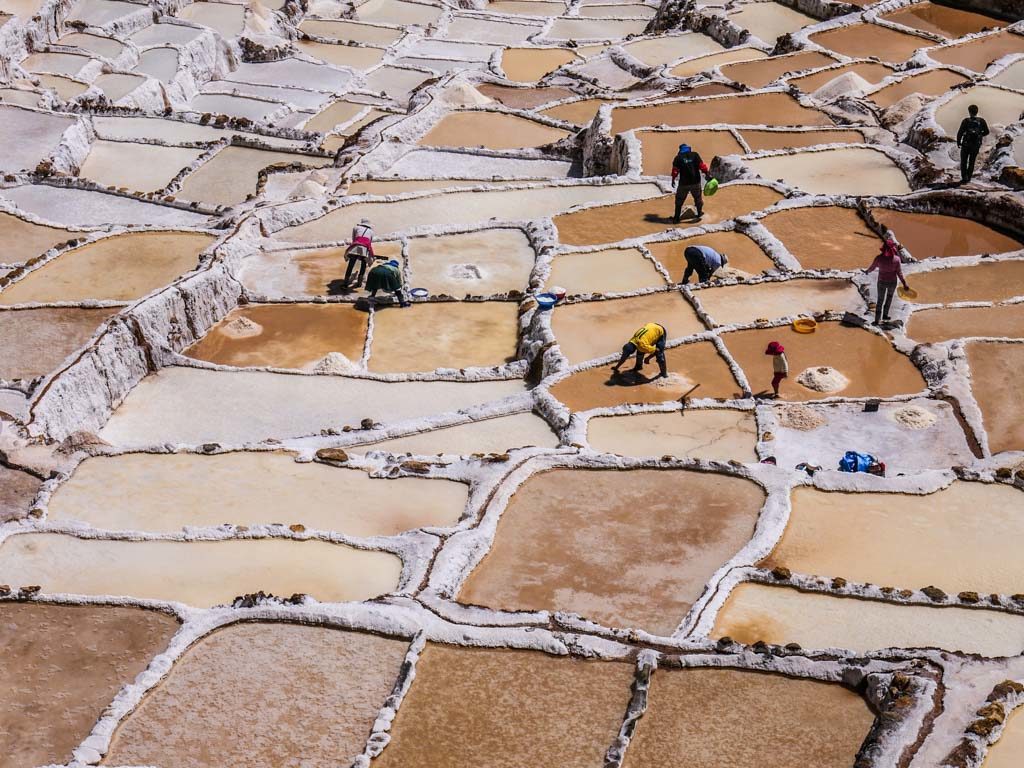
(769, 21)
(474, 263)
(495, 435)
(994, 382)
(781, 615)
(526, 65)
(143, 491)
(447, 336)
(120, 268)
(199, 573)
(742, 304)
(599, 543)
(962, 537)
(138, 167)
(232, 174)
(850, 171)
(616, 270)
(716, 434)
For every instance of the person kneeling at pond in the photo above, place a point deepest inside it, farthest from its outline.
(387, 277)
(704, 260)
(647, 342)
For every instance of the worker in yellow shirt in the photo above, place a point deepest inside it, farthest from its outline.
(647, 342)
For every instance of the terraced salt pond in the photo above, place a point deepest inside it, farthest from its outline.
(864, 40)
(964, 534)
(851, 171)
(658, 517)
(527, 65)
(475, 263)
(217, 681)
(742, 304)
(167, 406)
(471, 700)
(64, 664)
(142, 491)
(987, 281)
(937, 325)
(461, 208)
(232, 174)
(757, 109)
(715, 434)
(740, 716)
(497, 131)
(609, 271)
(200, 573)
(851, 243)
(142, 167)
(689, 365)
(33, 342)
(783, 615)
(495, 435)
(743, 253)
(993, 388)
(120, 268)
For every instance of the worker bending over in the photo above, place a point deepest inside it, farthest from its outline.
(648, 341)
(704, 260)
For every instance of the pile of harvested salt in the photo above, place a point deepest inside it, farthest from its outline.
(673, 381)
(241, 328)
(823, 379)
(334, 362)
(801, 417)
(914, 417)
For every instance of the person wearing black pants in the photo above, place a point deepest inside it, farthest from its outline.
(972, 131)
(687, 167)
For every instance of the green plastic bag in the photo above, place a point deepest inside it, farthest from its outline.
(711, 187)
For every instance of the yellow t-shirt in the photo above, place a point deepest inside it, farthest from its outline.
(647, 337)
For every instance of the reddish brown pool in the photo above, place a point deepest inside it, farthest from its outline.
(755, 109)
(470, 708)
(279, 683)
(17, 490)
(660, 147)
(747, 719)
(626, 549)
(758, 73)
(62, 666)
(688, 366)
(608, 224)
(930, 234)
(978, 53)
(864, 40)
(935, 82)
(935, 325)
(851, 244)
(579, 112)
(942, 20)
(763, 140)
(492, 130)
(995, 381)
(523, 98)
(872, 366)
(283, 335)
(872, 71)
(24, 240)
(987, 281)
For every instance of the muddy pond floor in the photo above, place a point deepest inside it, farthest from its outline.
(513, 487)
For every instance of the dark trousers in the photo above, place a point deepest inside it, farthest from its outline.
(967, 157)
(885, 293)
(629, 348)
(690, 189)
(352, 262)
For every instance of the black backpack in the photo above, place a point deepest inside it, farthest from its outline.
(973, 131)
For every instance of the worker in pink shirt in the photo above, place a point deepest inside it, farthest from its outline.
(890, 270)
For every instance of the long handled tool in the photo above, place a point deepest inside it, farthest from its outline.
(685, 397)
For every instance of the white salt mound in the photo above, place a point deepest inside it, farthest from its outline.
(673, 381)
(801, 417)
(241, 328)
(823, 379)
(464, 95)
(914, 417)
(848, 84)
(307, 189)
(903, 110)
(729, 273)
(334, 362)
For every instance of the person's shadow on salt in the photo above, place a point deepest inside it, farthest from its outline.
(338, 287)
(657, 218)
(627, 379)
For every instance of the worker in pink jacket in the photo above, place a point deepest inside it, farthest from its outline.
(890, 269)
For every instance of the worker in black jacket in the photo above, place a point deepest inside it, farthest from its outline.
(972, 131)
(686, 169)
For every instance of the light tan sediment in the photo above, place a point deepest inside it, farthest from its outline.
(717, 434)
(995, 376)
(851, 244)
(492, 130)
(743, 253)
(33, 342)
(755, 109)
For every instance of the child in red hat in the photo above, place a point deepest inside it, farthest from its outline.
(779, 364)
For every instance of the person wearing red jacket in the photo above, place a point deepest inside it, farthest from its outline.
(890, 269)
(359, 251)
(687, 167)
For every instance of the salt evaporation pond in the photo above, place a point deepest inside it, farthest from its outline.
(33, 342)
(63, 666)
(554, 549)
(851, 244)
(961, 536)
(742, 304)
(231, 681)
(609, 271)
(716, 434)
(781, 615)
(505, 708)
(140, 167)
(937, 325)
(743, 253)
(850, 171)
(142, 491)
(492, 130)
(200, 573)
(993, 384)
(495, 435)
